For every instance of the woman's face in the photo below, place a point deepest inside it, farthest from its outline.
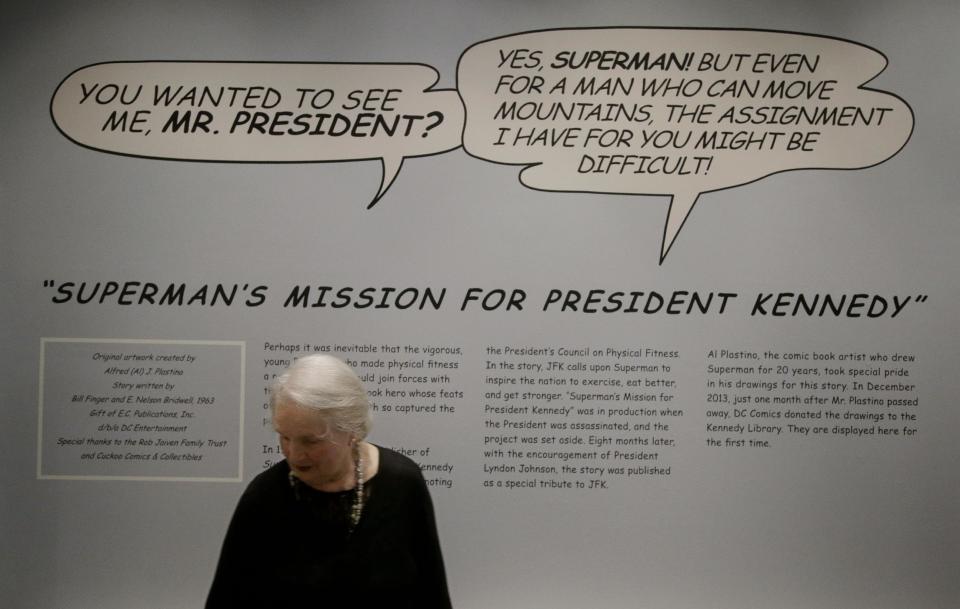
(318, 454)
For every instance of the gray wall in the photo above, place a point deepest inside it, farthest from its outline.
(812, 521)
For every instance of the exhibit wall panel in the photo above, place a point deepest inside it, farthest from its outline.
(662, 299)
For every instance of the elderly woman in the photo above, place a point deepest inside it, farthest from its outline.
(339, 522)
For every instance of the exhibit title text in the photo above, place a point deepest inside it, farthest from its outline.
(629, 300)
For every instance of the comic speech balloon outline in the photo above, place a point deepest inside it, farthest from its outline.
(260, 112)
(498, 82)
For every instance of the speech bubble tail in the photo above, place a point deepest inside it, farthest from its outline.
(680, 207)
(391, 167)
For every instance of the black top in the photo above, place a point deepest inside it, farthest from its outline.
(289, 546)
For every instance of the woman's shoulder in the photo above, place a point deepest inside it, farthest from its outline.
(395, 463)
(268, 481)
(400, 473)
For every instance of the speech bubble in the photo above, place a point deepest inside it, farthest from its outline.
(260, 112)
(678, 112)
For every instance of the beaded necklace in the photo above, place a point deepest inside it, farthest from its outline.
(357, 508)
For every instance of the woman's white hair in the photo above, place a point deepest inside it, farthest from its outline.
(329, 386)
